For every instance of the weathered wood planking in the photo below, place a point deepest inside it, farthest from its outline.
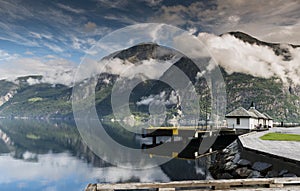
(272, 183)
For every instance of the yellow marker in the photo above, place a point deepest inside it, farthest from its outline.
(174, 154)
(175, 131)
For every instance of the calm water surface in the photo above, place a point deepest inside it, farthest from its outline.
(40, 155)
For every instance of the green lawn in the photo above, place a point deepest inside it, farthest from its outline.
(280, 137)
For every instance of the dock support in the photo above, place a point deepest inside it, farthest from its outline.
(154, 140)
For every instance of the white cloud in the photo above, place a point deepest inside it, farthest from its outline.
(40, 35)
(55, 70)
(29, 53)
(32, 81)
(276, 20)
(153, 2)
(161, 98)
(119, 4)
(151, 69)
(54, 47)
(70, 9)
(235, 55)
(5, 56)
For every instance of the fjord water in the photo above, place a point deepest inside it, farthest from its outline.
(50, 155)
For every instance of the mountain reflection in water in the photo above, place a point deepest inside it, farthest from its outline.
(41, 155)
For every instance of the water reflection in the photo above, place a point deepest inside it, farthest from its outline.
(64, 172)
(40, 155)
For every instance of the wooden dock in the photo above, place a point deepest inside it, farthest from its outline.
(258, 184)
(184, 131)
(188, 146)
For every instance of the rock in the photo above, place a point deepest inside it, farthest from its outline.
(229, 166)
(231, 149)
(272, 174)
(226, 151)
(282, 172)
(236, 158)
(225, 176)
(262, 167)
(233, 145)
(289, 175)
(230, 158)
(255, 174)
(244, 162)
(243, 172)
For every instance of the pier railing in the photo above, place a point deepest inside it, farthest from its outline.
(233, 184)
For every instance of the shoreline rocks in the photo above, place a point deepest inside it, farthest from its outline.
(228, 164)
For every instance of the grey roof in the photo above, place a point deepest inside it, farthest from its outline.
(241, 112)
(257, 113)
(268, 116)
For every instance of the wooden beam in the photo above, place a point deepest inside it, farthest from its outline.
(207, 184)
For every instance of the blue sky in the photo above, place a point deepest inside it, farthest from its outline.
(45, 32)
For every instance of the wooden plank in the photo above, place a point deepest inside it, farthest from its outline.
(287, 180)
(166, 189)
(272, 182)
(221, 187)
(276, 185)
(182, 184)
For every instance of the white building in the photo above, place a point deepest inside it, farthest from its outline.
(241, 118)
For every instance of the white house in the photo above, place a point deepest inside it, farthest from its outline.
(269, 121)
(241, 118)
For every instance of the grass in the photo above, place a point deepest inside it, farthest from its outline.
(32, 136)
(34, 99)
(280, 137)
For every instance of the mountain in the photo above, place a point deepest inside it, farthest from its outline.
(277, 47)
(271, 95)
(35, 100)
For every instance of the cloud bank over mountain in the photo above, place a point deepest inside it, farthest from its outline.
(229, 52)
(235, 55)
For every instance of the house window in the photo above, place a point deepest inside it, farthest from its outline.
(238, 121)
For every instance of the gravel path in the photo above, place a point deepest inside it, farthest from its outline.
(286, 149)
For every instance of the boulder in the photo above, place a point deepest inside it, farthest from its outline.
(282, 172)
(236, 158)
(226, 151)
(243, 162)
(229, 166)
(243, 172)
(262, 167)
(289, 175)
(229, 158)
(272, 174)
(225, 176)
(255, 174)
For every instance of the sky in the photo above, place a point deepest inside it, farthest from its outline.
(49, 37)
